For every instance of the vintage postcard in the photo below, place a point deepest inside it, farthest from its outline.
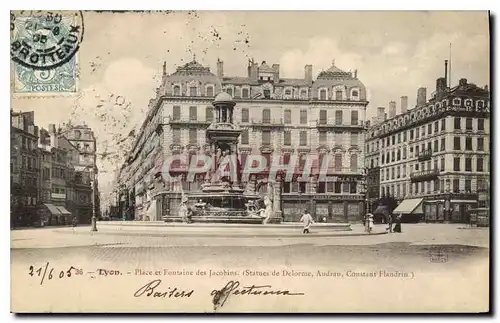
(250, 162)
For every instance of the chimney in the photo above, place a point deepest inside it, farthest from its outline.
(254, 71)
(53, 135)
(446, 71)
(355, 74)
(462, 82)
(392, 109)
(421, 96)
(308, 74)
(276, 74)
(380, 114)
(164, 68)
(220, 69)
(404, 104)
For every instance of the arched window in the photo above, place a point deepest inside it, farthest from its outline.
(322, 94)
(177, 90)
(210, 91)
(338, 95)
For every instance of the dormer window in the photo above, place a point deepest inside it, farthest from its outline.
(210, 90)
(457, 101)
(338, 95)
(288, 92)
(267, 94)
(193, 91)
(177, 90)
(480, 104)
(229, 91)
(303, 94)
(468, 103)
(322, 94)
(245, 93)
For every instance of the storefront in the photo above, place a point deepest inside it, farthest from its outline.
(411, 210)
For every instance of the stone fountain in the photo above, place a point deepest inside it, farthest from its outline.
(222, 198)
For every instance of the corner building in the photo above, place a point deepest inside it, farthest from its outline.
(438, 151)
(279, 118)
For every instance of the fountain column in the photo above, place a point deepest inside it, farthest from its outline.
(277, 197)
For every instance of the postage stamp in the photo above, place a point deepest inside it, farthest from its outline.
(43, 49)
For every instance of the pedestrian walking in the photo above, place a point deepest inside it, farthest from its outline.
(389, 223)
(370, 223)
(397, 227)
(307, 220)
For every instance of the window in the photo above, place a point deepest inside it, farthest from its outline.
(436, 164)
(468, 124)
(354, 163)
(288, 92)
(436, 127)
(480, 144)
(443, 124)
(338, 95)
(399, 138)
(393, 156)
(456, 143)
(176, 135)
(398, 172)
(468, 143)
(303, 94)
(354, 139)
(267, 94)
(266, 137)
(456, 185)
(457, 123)
(322, 137)
(392, 173)
(436, 145)
(480, 124)
(443, 144)
(354, 117)
(404, 136)
(303, 138)
(210, 91)
(393, 139)
(245, 93)
(193, 113)
(192, 136)
(398, 157)
(245, 116)
(429, 129)
(322, 94)
(404, 171)
(266, 116)
(338, 187)
(417, 133)
(338, 117)
(456, 164)
(468, 185)
(468, 164)
(480, 164)
(322, 116)
(338, 162)
(354, 94)
(177, 90)
(411, 134)
(288, 116)
(352, 187)
(423, 131)
(193, 91)
(244, 137)
(383, 159)
(303, 116)
(442, 164)
(287, 138)
(176, 113)
(404, 152)
(230, 91)
(209, 114)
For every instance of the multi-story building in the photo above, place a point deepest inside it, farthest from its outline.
(82, 138)
(438, 151)
(24, 169)
(279, 117)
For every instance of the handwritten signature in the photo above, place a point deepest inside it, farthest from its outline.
(150, 290)
(233, 288)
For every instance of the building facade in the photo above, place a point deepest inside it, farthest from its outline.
(438, 151)
(24, 169)
(279, 118)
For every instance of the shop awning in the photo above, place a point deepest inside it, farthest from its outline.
(63, 210)
(53, 209)
(410, 206)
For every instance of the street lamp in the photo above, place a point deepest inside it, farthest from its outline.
(94, 220)
(448, 201)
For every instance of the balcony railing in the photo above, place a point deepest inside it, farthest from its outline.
(173, 120)
(323, 123)
(424, 175)
(425, 155)
(267, 122)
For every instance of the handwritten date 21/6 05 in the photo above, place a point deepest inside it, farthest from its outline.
(47, 272)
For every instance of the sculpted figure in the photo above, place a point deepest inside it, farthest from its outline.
(267, 212)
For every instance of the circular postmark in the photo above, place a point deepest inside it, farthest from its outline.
(43, 40)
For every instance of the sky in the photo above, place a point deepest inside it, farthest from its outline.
(121, 57)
